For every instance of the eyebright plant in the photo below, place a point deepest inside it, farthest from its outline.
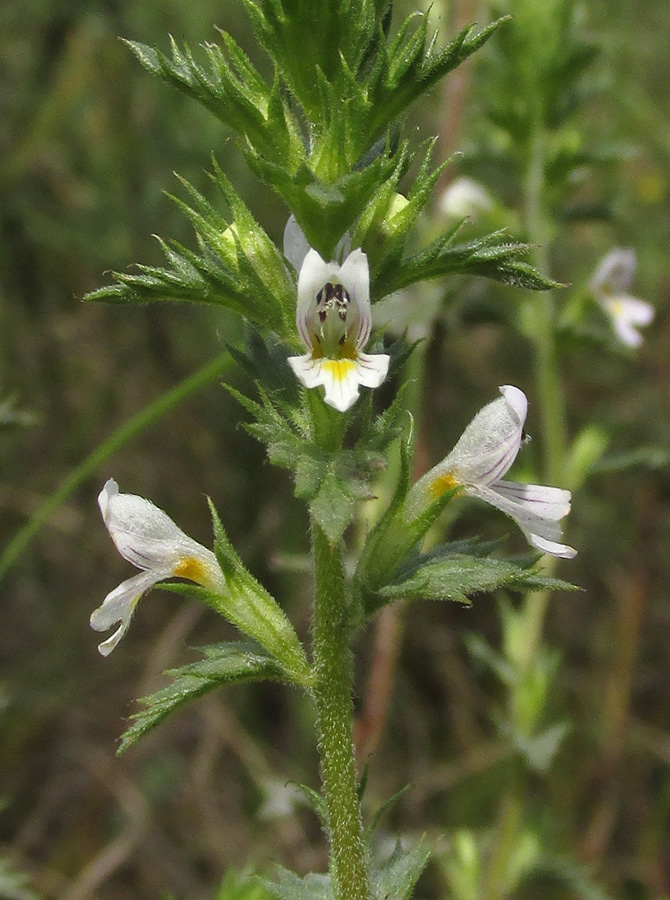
(325, 133)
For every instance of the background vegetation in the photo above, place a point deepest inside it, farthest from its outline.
(89, 143)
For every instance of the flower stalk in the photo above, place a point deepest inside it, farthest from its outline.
(333, 682)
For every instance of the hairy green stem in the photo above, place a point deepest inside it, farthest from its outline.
(333, 683)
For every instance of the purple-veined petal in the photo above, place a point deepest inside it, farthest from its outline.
(341, 377)
(354, 275)
(144, 534)
(372, 368)
(307, 370)
(536, 511)
(490, 443)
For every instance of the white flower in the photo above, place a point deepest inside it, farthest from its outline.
(485, 451)
(334, 320)
(149, 539)
(465, 198)
(609, 286)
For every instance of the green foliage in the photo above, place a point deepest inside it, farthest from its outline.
(394, 881)
(485, 256)
(241, 887)
(327, 145)
(223, 664)
(386, 806)
(397, 878)
(447, 573)
(291, 887)
(331, 481)
(392, 538)
(539, 75)
(237, 266)
(232, 89)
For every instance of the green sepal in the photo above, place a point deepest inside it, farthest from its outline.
(253, 610)
(393, 538)
(397, 879)
(325, 210)
(227, 663)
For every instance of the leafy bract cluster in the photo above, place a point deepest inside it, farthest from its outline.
(539, 76)
(325, 134)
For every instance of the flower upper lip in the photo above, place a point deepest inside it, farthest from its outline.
(148, 538)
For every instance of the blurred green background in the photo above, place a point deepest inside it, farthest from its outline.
(88, 145)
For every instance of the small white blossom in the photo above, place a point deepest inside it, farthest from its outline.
(610, 284)
(334, 320)
(484, 453)
(149, 539)
(465, 198)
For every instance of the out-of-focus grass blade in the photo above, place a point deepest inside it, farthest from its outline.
(117, 439)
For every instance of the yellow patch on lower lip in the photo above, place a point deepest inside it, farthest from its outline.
(191, 568)
(442, 484)
(339, 368)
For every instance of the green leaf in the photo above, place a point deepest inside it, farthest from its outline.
(237, 265)
(241, 887)
(333, 508)
(396, 880)
(291, 887)
(381, 812)
(232, 89)
(315, 800)
(487, 256)
(227, 663)
(457, 577)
